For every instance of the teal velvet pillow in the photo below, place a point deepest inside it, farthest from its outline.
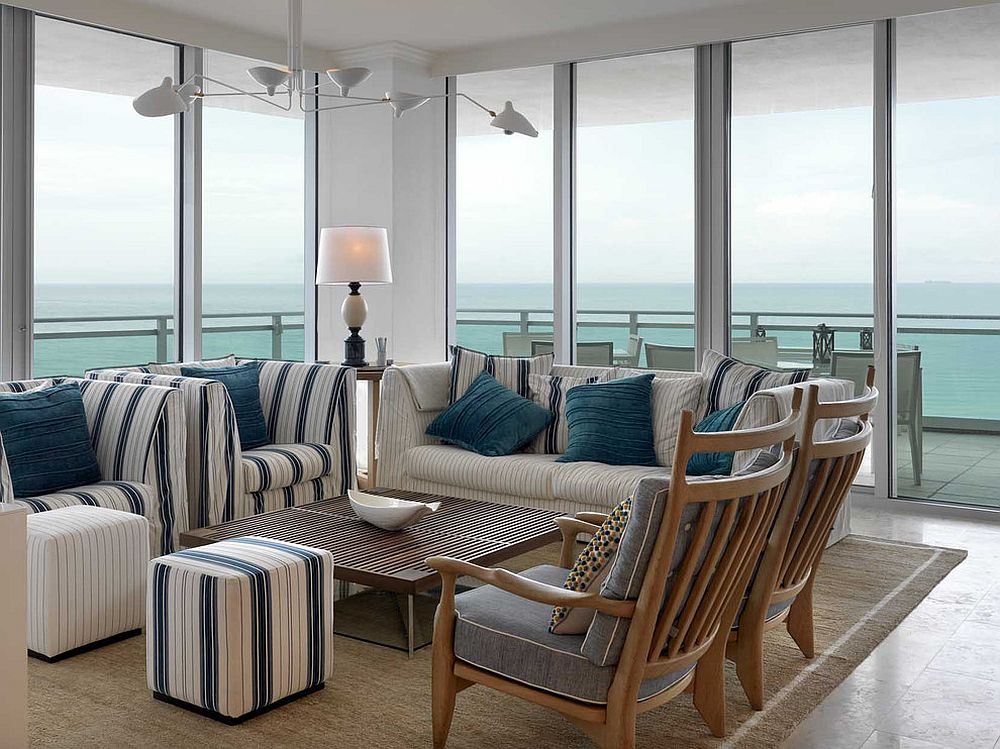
(243, 385)
(611, 422)
(715, 464)
(46, 440)
(490, 419)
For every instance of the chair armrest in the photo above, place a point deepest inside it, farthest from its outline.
(571, 527)
(530, 589)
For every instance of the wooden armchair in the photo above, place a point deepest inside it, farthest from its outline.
(781, 591)
(687, 549)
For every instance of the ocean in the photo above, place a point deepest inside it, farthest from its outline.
(960, 369)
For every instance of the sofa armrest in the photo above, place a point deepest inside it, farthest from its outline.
(214, 483)
(401, 426)
(138, 434)
(313, 403)
(6, 485)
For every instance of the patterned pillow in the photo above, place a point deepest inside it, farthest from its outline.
(590, 570)
(729, 381)
(550, 391)
(510, 371)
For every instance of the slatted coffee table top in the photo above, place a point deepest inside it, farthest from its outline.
(473, 531)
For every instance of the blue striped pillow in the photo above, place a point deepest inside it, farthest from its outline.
(46, 440)
(611, 423)
(243, 385)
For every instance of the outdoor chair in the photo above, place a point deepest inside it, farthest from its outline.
(672, 358)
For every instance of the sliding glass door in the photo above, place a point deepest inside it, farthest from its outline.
(947, 256)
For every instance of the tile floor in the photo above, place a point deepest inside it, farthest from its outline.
(934, 682)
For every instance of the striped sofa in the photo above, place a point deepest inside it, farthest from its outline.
(310, 414)
(138, 435)
(408, 459)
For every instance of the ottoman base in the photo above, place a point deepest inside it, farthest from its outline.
(85, 648)
(242, 718)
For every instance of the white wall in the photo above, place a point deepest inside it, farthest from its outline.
(378, 170)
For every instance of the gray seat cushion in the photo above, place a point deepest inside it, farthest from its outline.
(506, 635)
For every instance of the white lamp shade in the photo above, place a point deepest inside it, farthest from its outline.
(353, 253)
(511, 121)
(165, 99)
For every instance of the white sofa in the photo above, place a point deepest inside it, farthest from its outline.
(408, 459)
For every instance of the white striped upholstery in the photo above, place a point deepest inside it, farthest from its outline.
(86, 577)
(278, 466)
(302, 403)
(138, 435)
(600, 484)
(174, 370)
(401, 425)
(236, 626)
(670, 397)
(527, 474)
(314, 490)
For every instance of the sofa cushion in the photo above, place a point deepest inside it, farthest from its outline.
(519, 475)
(729, 381)
(46, 440)
(506, 635)
(174, 369)
(278, 466)
(127, 496)
(490, 419)
(243, 385)
(509, 371)
(601, 485)
(611, 423)
(549, 391)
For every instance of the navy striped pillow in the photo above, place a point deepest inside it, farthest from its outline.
(510, 371)
(729, 381)
(46, 440)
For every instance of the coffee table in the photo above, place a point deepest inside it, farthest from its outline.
(473, 531)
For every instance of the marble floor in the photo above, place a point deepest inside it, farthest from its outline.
(934, 682)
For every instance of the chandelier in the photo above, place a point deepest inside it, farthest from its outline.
(284, 88)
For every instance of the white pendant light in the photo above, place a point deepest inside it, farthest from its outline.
(348, 78)
(402, 102)
(511, 121)
(269, 78)
(165, 99)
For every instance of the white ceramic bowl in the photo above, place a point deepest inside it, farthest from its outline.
(388, 512)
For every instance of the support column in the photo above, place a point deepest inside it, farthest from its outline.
(563, 212)
(187, 184)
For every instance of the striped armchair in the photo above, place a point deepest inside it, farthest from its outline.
(310, 415)
(138, 436)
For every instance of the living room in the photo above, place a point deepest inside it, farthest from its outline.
(425, 373)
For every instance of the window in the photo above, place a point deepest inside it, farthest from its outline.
(948, 262)
(635, 211)
(253, 221)
(104, 202)
(504, 215)
(802, 210)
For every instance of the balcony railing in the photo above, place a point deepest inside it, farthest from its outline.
(160, 327)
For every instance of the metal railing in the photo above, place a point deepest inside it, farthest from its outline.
(160, 327)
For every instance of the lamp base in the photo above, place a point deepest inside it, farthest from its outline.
(354, 350)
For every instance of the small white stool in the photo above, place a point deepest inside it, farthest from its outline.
(239, 627)
(86, 579)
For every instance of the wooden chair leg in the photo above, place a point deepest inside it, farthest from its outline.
(710, 687)
(748, 654)
(800, 620)
(443, 691)
(444, 683)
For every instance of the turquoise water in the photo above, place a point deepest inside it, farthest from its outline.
(960, 371)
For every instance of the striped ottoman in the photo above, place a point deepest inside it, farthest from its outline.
(239, 627)
(86, 579)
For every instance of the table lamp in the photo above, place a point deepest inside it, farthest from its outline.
(353, 255)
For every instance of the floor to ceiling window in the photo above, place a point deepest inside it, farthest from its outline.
(104, 202)
(635, 211)
(504, 216)
(802, 210)
(253, 221)
(948, 261)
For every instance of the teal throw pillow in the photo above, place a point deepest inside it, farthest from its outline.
(611, 422)
(715, 464)
(46, 440)
(243, 385)
(490, 419)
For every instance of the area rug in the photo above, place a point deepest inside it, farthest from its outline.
(379, 699)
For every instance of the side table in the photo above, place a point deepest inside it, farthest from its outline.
(373, 376)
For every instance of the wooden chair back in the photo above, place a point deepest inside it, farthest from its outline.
(820, 482)
(730, 518)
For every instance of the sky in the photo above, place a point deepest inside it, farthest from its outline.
(802, 206)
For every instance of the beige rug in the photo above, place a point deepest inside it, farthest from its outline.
(377, 698)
